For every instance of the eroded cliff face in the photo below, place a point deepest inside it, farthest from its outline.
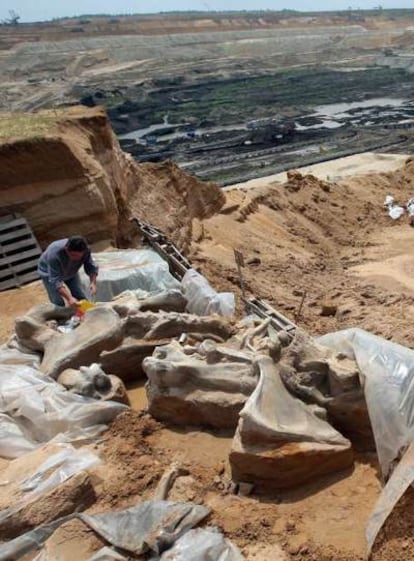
(75, 179)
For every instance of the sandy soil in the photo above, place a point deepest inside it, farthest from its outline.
(326, 518)
(397, 535)
(335, 170)
(16, 302)
(322, 518)
(334, 241)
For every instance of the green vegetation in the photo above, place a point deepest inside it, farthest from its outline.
(19, 126)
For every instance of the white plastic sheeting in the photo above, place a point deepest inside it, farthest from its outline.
(57, 469)
(203, 300)
(401, 478)
(387, 370)
(14, 442)
(161, 527)
(124, 270)
(15, 549)
(150, 525)
(395, 212)
(107, 554)
(38, 409)
(202, 545)
(10, 354)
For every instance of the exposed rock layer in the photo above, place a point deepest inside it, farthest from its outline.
(76, 179)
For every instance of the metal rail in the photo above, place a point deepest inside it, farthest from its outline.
(177, 263)
(263, 310)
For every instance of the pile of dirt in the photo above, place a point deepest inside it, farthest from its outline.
(130, 468)
(309, 238)
(311, 552)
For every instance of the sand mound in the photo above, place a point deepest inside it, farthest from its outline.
(309, 235)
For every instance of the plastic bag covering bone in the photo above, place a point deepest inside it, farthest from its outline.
(130, 270)
(107, 554)
(15, 549)
(202, 545)
(401, 478)
(202, 299)
(151, 525)
(388, 381)
(55, 470)
(12, 355)
(38, 409)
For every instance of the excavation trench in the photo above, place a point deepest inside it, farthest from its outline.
(306, 236)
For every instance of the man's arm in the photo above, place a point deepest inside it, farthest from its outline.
(67, 296)
(91, 270)
(55, 278)
(92, 285)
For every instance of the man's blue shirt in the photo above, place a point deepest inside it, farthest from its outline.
(56, 266)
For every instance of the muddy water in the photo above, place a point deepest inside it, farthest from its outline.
(341, 109)
(138, 134)
(337, 110)
(137, 395)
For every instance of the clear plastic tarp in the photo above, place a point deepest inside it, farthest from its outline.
(35, 409)
(202, 545)
(150, 525)
(402, 477)
(55, 470)
(387, 371)
(159, 527)
(14, 441)
(107, 554)
(124, 270)
(202, 299)
(387, 376)
(10, 354)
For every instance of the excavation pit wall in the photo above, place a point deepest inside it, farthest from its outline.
(74, 178)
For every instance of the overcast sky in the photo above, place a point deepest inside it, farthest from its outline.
(38, 10)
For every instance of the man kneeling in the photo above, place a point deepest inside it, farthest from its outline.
(58, 268)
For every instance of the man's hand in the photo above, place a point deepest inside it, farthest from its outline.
(68, 297)
(92, 287)
(73, 303)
